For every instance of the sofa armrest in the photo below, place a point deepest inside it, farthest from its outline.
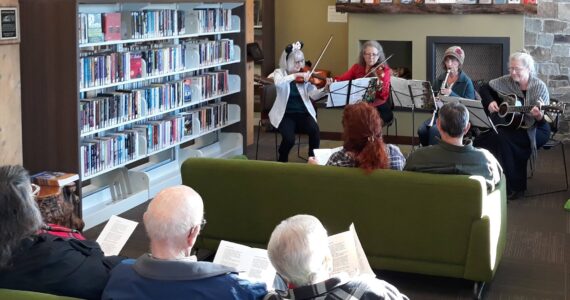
(488, 237)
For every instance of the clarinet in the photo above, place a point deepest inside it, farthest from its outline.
(441, 88)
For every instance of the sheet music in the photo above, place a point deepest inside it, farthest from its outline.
(339, 90)
(253, 263)
(322, 155)
(115, 235)
(412, 93)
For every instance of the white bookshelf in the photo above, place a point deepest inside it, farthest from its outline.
(52, 90)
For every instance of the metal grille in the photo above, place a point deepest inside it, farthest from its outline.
(482, 61)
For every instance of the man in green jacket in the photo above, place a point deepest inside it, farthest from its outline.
(451, 156)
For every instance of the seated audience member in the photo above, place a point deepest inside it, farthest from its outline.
(299, 251)
(173, 221)
(451, 156)
(363, 145)
(35, 261)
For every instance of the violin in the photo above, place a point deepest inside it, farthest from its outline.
(318, 77)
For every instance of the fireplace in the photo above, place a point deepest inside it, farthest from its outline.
(485, 57)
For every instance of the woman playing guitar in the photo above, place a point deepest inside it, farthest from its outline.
(514, 146)
(372, 53)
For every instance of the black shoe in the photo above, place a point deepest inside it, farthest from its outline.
(514, 195)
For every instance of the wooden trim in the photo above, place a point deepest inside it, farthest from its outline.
(391, 139)
(389, 8)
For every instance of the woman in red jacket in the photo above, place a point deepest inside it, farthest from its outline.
(371, 53)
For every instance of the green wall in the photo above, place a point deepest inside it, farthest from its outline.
(306, 20)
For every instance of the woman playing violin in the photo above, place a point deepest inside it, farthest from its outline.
(293, 110)
(371, 53)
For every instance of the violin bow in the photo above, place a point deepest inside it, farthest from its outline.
(375, 68)
(321, 56)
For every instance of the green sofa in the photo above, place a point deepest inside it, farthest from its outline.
(444, 225)
(27, 295)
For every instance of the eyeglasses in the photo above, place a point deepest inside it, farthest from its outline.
(517, 69)
(370, 54)
(203, 224)
(300, 62)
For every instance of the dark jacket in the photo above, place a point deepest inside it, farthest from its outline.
(66, 267)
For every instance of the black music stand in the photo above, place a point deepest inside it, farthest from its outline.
(477, 115)
(342, 93)
(412, 94)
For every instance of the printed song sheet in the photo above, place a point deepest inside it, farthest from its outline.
(322, 155)
(115, 235)
(252, 263)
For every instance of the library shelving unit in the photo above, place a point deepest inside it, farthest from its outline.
(84, 111)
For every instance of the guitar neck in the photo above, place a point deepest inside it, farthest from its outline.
(520, 109)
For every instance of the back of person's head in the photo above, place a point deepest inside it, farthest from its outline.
(299, 251)
(453, 119)
(19, 213)
(363, 136)
(172, 214)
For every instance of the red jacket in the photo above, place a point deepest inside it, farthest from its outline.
(358, 71)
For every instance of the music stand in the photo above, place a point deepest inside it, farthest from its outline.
(342, 93)
(412, 94)
(477, 115)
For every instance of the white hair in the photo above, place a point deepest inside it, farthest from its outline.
(172, 214)
(287, 62)
(525, 58)
(298, 248)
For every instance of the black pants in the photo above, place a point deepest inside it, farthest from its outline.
(512, 149)
(386, 113)
(297, 123)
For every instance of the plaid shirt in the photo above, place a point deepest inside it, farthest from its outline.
(343, 159)
(340, 288)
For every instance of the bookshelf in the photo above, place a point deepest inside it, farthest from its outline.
(125, 112)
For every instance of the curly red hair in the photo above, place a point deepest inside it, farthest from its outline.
(363, 136)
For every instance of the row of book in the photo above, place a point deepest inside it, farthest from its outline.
(113, 26)
(99, 68)
(104, 152)
(211, 20)
(212, 52)
(108, 109)
(441, 1)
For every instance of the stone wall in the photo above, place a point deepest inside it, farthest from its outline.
(547, 37)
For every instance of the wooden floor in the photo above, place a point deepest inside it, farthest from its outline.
(536, 261)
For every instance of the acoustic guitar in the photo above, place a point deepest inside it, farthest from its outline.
(513, 116)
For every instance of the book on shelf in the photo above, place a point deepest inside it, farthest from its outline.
(485, 1)
(499, 1)
(254, 264)
(94, 28)
(530, 1)
(112, 26)
(54, 178)
(514, 1)
(466, 1)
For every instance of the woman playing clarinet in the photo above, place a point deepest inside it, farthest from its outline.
(453, 82)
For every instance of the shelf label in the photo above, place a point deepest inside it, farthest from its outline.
(9, 30)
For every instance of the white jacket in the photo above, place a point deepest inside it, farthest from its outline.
(282, 88)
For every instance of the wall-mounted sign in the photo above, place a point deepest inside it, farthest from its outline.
(9, 27)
